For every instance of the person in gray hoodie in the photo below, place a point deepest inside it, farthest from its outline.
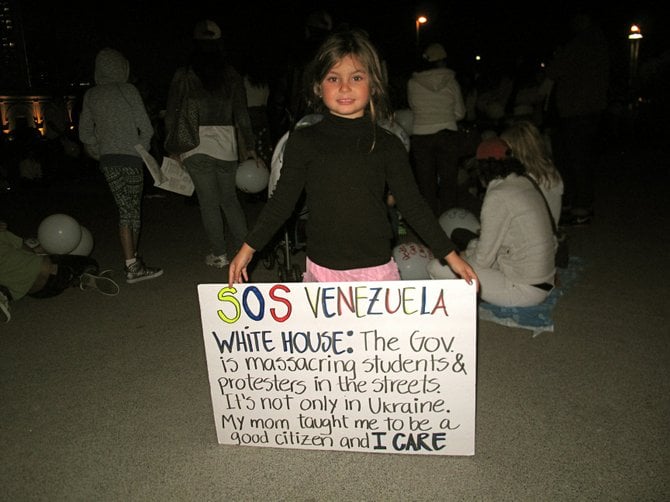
(437, 104)
(113, 120)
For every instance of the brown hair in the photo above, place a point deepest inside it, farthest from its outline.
(337, 46)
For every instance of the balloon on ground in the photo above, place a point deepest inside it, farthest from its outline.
(85, 245)
(59, 233)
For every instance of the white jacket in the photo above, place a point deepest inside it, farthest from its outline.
(436, 100)
(516, 236)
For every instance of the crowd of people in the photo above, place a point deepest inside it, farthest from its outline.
(541, 124)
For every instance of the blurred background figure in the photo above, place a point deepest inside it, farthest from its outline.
(113, 120)
(288, 102)
(225, 137)
(580, 72)
(434, 96)
(513, 255)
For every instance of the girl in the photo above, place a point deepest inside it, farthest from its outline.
(345, 163)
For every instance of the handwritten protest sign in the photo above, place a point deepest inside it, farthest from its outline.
(170, 175)
(385, 367)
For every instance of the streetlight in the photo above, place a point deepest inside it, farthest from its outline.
(634, 36)
(419, 21)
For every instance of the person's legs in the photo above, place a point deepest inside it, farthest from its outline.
(126, 184)
(497, 289)
(203, 172)
(448, 151)
(563, 159)
(494, 287)
(584, 141)
(230, 203)
(425, 171)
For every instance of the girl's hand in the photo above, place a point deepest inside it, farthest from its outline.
(251, 154)
(237, 270)
(461, 268)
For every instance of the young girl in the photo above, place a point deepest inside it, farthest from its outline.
(345, 163)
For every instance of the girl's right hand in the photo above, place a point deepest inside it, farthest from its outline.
(462, 268)
(237, 270)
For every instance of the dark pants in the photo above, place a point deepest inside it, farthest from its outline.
(436, 159)
(575, 146)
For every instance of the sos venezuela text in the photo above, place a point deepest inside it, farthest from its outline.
(325, 302)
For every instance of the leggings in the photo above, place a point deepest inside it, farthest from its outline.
(126, 183)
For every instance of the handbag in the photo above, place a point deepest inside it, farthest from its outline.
(562, 257)
(182, 132)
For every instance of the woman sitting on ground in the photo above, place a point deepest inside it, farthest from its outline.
(513, 255)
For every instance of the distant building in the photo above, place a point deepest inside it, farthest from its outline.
(15, 73)
(20, 104)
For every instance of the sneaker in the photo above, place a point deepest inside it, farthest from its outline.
(138, 271)
(5, 314)
(219, 261)
(100, 283)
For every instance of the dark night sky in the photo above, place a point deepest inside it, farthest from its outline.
(64, 38)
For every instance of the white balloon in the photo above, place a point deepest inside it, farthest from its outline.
(59, 233)
(250, 177)
(85, 245)
(458, 217)
(398, 130)
(412, 259)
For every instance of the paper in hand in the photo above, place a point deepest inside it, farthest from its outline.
(169, 176)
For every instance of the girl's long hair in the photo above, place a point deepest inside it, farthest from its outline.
(528, 145)
(337, 46)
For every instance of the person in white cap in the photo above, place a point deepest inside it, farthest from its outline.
(218, 89)
(437, 104)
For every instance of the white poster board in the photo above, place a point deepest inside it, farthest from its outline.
(384, 367)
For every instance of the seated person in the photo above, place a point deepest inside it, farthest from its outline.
(25, 271)
(529, 146)
(513, 255)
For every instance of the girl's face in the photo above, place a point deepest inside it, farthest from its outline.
(346, 88)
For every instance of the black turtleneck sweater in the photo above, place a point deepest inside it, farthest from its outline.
(345, 180)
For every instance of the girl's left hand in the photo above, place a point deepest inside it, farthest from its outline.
(461, 268)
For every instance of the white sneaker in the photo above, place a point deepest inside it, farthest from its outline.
(138, 271)
(101, 283)
(219, 261)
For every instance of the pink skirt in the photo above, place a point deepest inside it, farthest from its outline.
(316, 273)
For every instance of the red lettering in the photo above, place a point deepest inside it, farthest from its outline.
(280, 299)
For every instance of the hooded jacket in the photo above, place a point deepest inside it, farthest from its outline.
(436, 100)
(113, 115)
